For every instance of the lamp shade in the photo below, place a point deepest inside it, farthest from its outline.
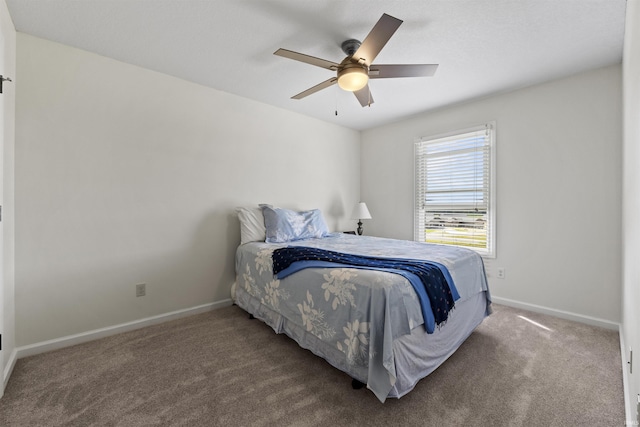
(360, 211)
(353, 77)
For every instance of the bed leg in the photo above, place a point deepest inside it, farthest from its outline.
(357, 385)
(251, 316)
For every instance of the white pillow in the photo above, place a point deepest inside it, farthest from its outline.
(252, 227)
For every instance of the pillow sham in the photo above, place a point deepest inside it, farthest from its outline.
(284, 225)
(252, 227)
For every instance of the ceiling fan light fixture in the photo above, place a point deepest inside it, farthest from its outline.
(353, 77)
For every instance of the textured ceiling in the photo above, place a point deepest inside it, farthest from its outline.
(482, 46)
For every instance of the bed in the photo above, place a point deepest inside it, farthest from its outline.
(366, 321)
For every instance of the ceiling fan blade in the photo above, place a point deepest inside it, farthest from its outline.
(401, 70)
(377, 38)
(325, 84)
(307, 59)
(364, 96)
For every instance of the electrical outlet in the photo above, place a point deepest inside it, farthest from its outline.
(141, 289)
(501, 273)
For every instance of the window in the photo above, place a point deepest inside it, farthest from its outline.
(454, 189)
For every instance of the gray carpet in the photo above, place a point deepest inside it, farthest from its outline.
(222, 369)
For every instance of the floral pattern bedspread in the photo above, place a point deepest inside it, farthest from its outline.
(348, 316)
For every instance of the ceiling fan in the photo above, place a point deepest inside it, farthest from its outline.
(354, 72)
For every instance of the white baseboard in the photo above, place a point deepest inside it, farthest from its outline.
(593, 321)
(628, 406)
(57, 343)
(8, 369)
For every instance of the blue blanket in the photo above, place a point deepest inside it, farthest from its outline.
(431, 281)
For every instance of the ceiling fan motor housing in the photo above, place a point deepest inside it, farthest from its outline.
(353, 75)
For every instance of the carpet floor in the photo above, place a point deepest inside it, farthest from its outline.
(222, 369)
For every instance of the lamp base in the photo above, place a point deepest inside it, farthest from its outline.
(360, 228)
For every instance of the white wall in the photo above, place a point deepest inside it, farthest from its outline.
(8, 119)
(631, 202)
(124, 176)
(558, 188)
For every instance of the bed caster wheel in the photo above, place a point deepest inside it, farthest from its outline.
(357, 385)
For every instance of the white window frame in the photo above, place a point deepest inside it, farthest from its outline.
(419, 210)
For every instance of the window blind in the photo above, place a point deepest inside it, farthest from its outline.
(453, 189)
